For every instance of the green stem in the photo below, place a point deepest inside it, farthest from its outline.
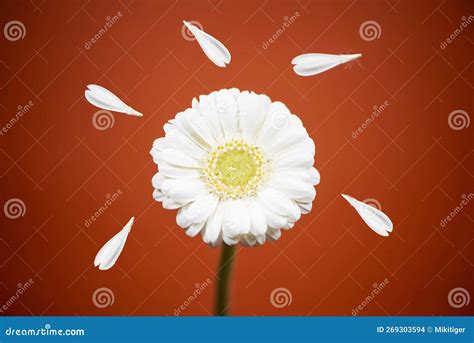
(223, 280)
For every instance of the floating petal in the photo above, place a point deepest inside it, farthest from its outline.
(105, 99)
(110, 252)
(312, 64)
(374, 218)
(214, 50)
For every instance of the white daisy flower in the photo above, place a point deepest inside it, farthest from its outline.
(238, 166)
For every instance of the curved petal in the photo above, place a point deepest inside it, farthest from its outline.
(110, 252)
(105, 99)
(184, 190)
(214, 50)
(212, 232)
(235, 219)
(312, 64)
(378, 221)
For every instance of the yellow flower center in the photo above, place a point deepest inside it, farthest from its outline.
(235, 169)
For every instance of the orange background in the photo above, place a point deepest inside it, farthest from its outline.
(408, 159)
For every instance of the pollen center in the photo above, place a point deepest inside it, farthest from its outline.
(235, 169)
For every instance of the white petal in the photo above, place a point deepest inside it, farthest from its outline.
(305, 208)
(274, 234)
(191, 124)
(184, 190)
(157, 180)
(177, 158)
(110, 252)
(257, 219)
(273, 219)
(248, 240)
(171, 171)
(301, 159)
(105, 99)
(194, 229)
(277, 120)
(306, 146)
(378, 221)
(170, 204)
(198, 211)
(214, 50)
(212, 232)
(227, 111)
(178, 140)
(312, 64)
(158, 195)
(315, 176)
(252, 112)
(285, 139)
(235, 218)
(296, 189)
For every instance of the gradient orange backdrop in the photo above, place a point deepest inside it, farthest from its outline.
(408, 159)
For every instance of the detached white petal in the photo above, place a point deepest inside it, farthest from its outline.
(375, 219)
(110, 252)
(105, 99)
(312, 64)
(214, 50)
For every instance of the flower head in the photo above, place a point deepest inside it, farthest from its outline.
(238, 166)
